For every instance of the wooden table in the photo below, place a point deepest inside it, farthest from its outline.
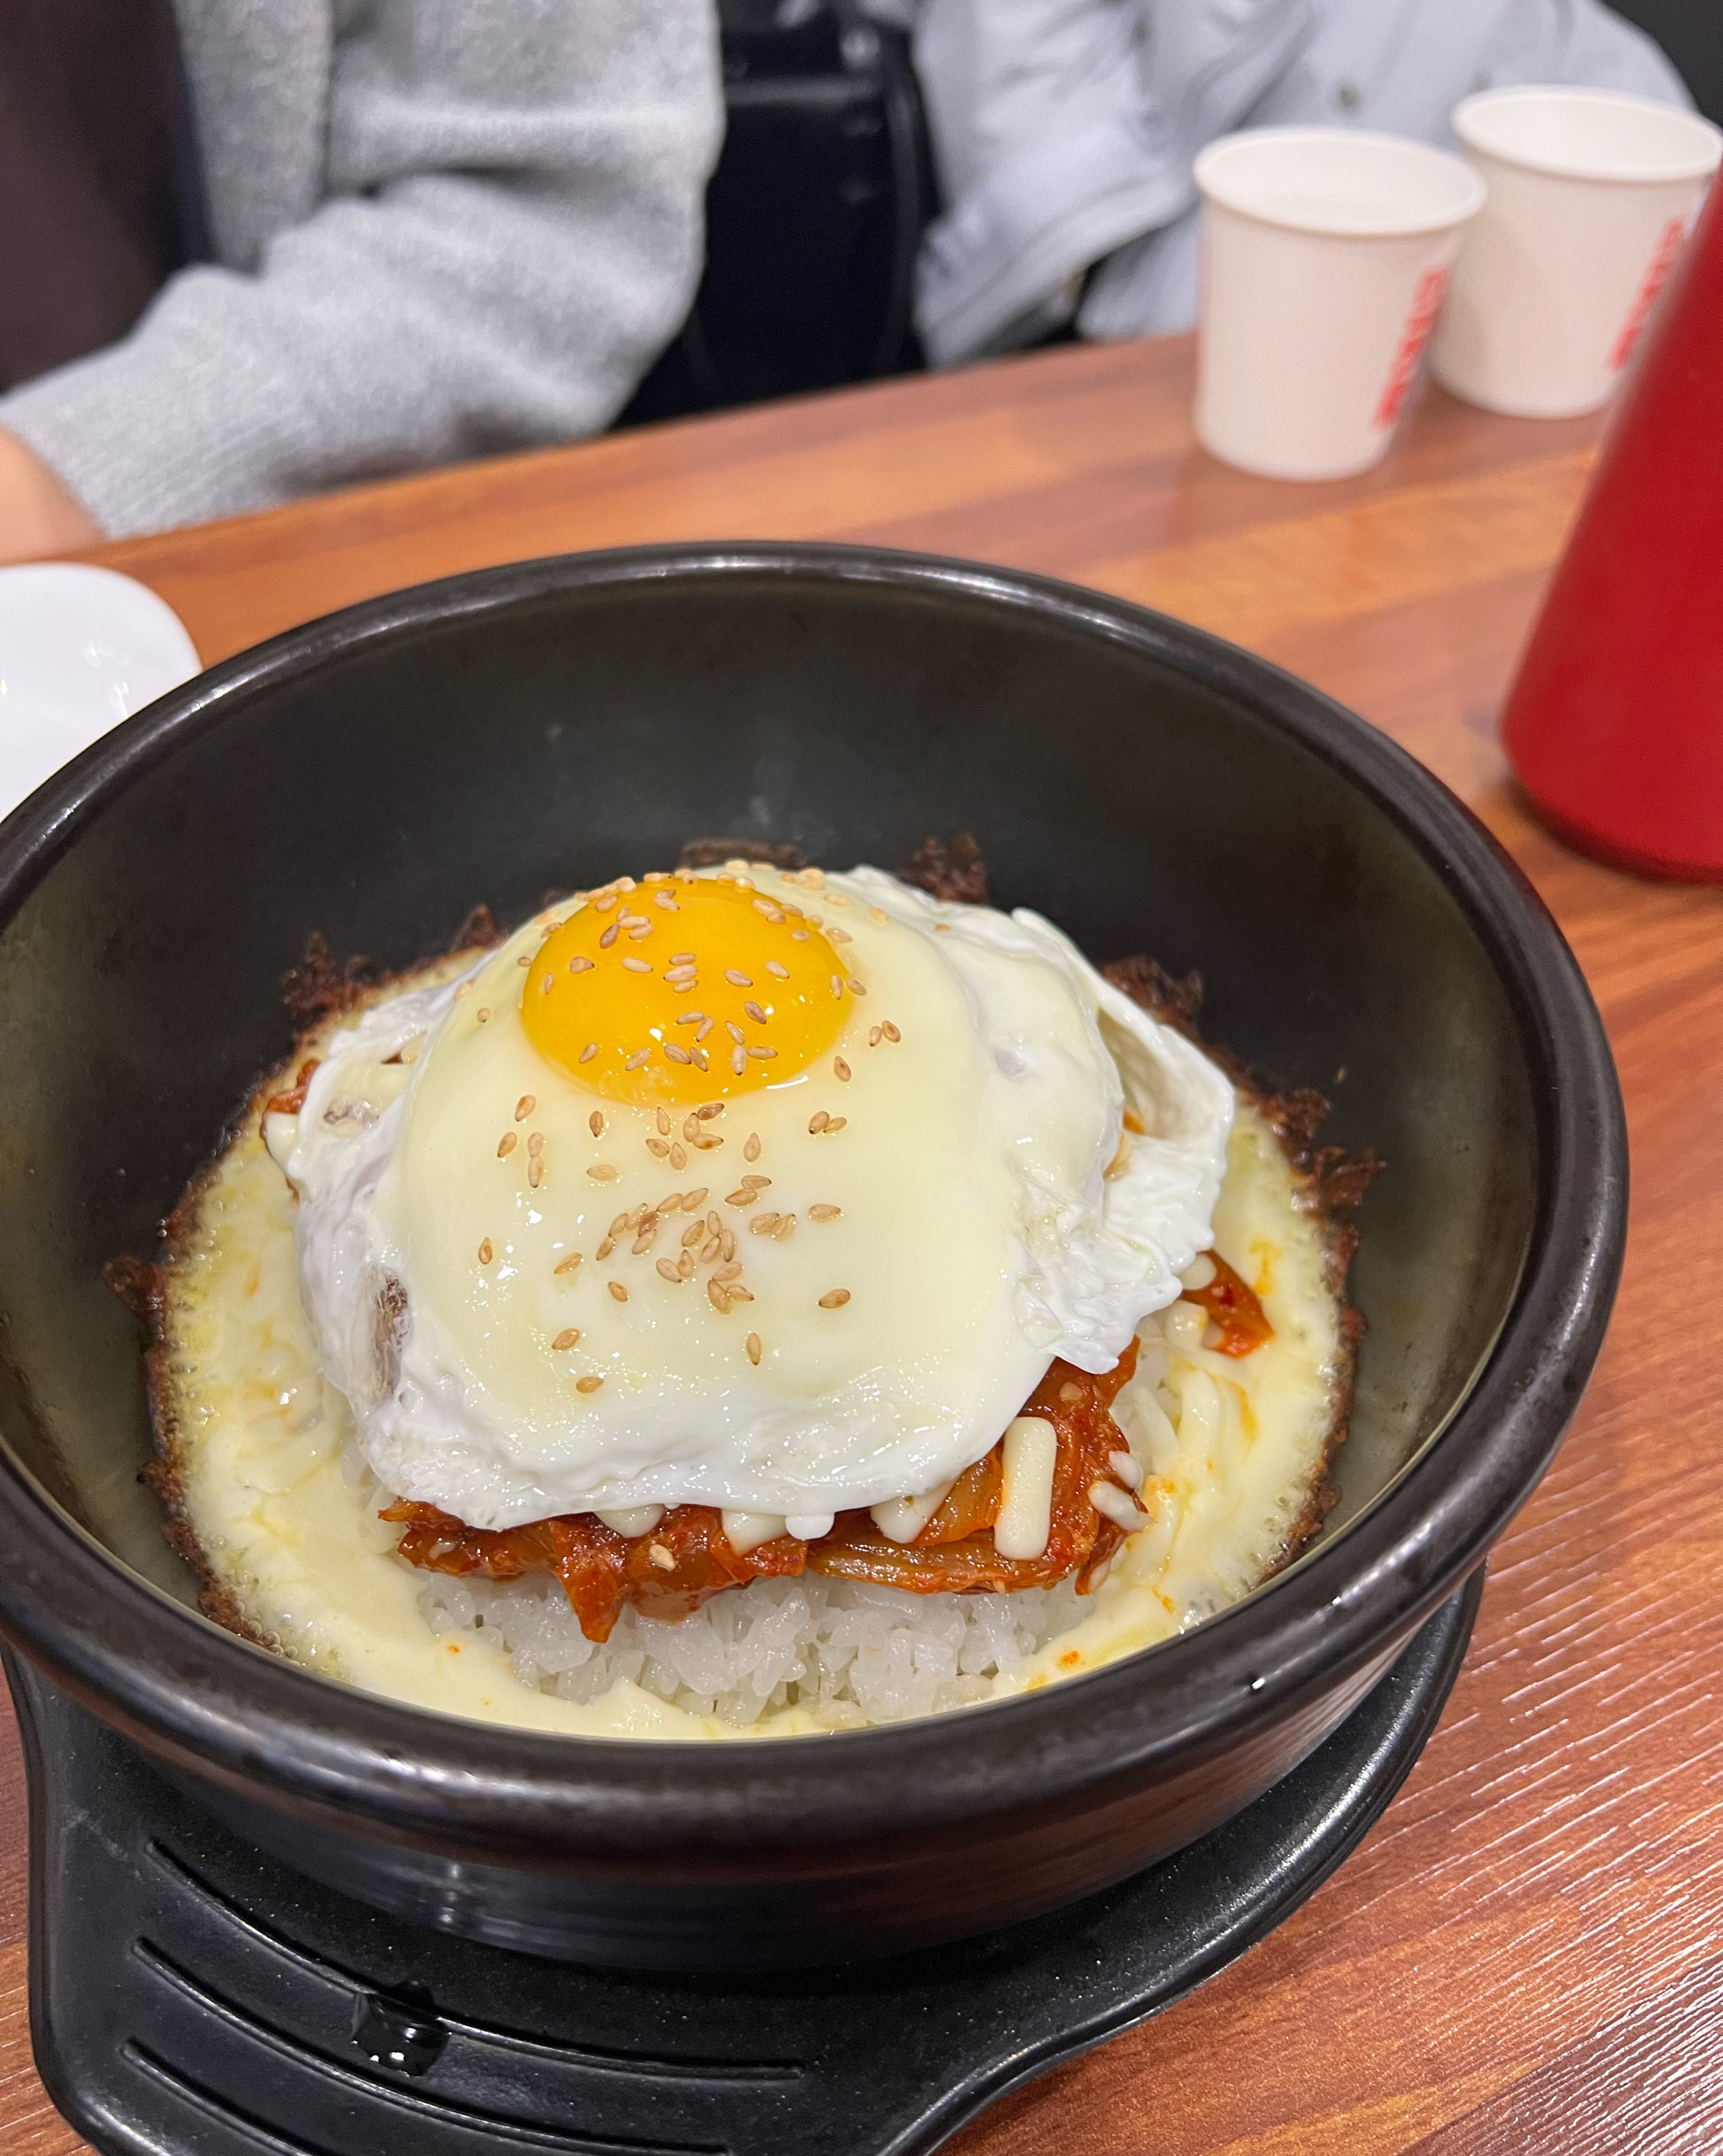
(1526, 1956)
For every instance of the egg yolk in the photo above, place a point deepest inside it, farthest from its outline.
(685, 989)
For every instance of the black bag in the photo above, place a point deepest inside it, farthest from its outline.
(813, 216)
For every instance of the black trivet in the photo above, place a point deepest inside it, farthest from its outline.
(191, 1997)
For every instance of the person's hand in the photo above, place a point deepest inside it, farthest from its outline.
(38, 514)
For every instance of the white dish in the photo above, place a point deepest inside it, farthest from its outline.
(80, 649)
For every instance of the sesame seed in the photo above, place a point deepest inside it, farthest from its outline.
(678, 1158)
(569, 1336)
(874, 1037)
(752, 1345)
(658, 1146)
(525, 959)
(647, 1237)
(751, 1151)
(878, 913)
(677, 1054)
(595, 1124)
(766, 906)
(713, 1247)
(682, 958)
(855, 987)
(635, 1061)
(763, 1055)
(841, 1068)
(506, 1144)
(601, 1171)
(836, 898)
(695, 1232)
(535, 1172)
(587, 1384)
(705, 1026)
(756, 1183)
(726, 1244)
(610, 935)
(589, 1051)
(621, 1221)
(714, 1223)
(635, 966)
(735, 1031)
(463, 991)
(1070, 1394)
(569, 1263)
(685, 1265)
(485, 1253)
(755, 1012)
(738, 1060)
(783, 972)
(785, 1228)
(535, 1143)
(837, 1123)
(667, 1267)
(719, 1296)
(694, 1199)
(618, 1293)
(482, 1013)
(738, 980)
(656, 875)
(834, 1299)
(689, 1016)
(604, 900)
(836, 985)
(816, 1122)
(824, 1212)
(700, 1054)
(737, 1292)
(838, 936)
(763, 1224)
(741, 1197)
(525, 1106)
(708, 1111)
(580, 965)
(729, 1270)
(890, 1031)
(798, 936)
(663, 898)
(604, 1248)
(638, 931)
(547, 984)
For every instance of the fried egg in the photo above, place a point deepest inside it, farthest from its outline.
(773, 1192)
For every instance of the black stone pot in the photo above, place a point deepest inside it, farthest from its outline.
(553, 724)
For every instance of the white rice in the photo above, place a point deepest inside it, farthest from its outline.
(852, 1653)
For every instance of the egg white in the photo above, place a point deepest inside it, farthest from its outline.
(989, 1220)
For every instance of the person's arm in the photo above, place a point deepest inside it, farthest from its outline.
(38, 514)
(514, 231)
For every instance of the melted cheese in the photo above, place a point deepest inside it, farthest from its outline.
(1228, 1450)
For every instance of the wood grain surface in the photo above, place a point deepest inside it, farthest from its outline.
(1526, 1957)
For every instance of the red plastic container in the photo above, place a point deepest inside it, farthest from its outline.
(1615, 724)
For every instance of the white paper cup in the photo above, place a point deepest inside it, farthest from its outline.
(1591, 194)
(1325, 257)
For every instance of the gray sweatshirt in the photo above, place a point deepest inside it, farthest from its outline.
(442, 229)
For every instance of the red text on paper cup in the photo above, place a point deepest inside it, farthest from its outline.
(1669, 246)
(1426, 306)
